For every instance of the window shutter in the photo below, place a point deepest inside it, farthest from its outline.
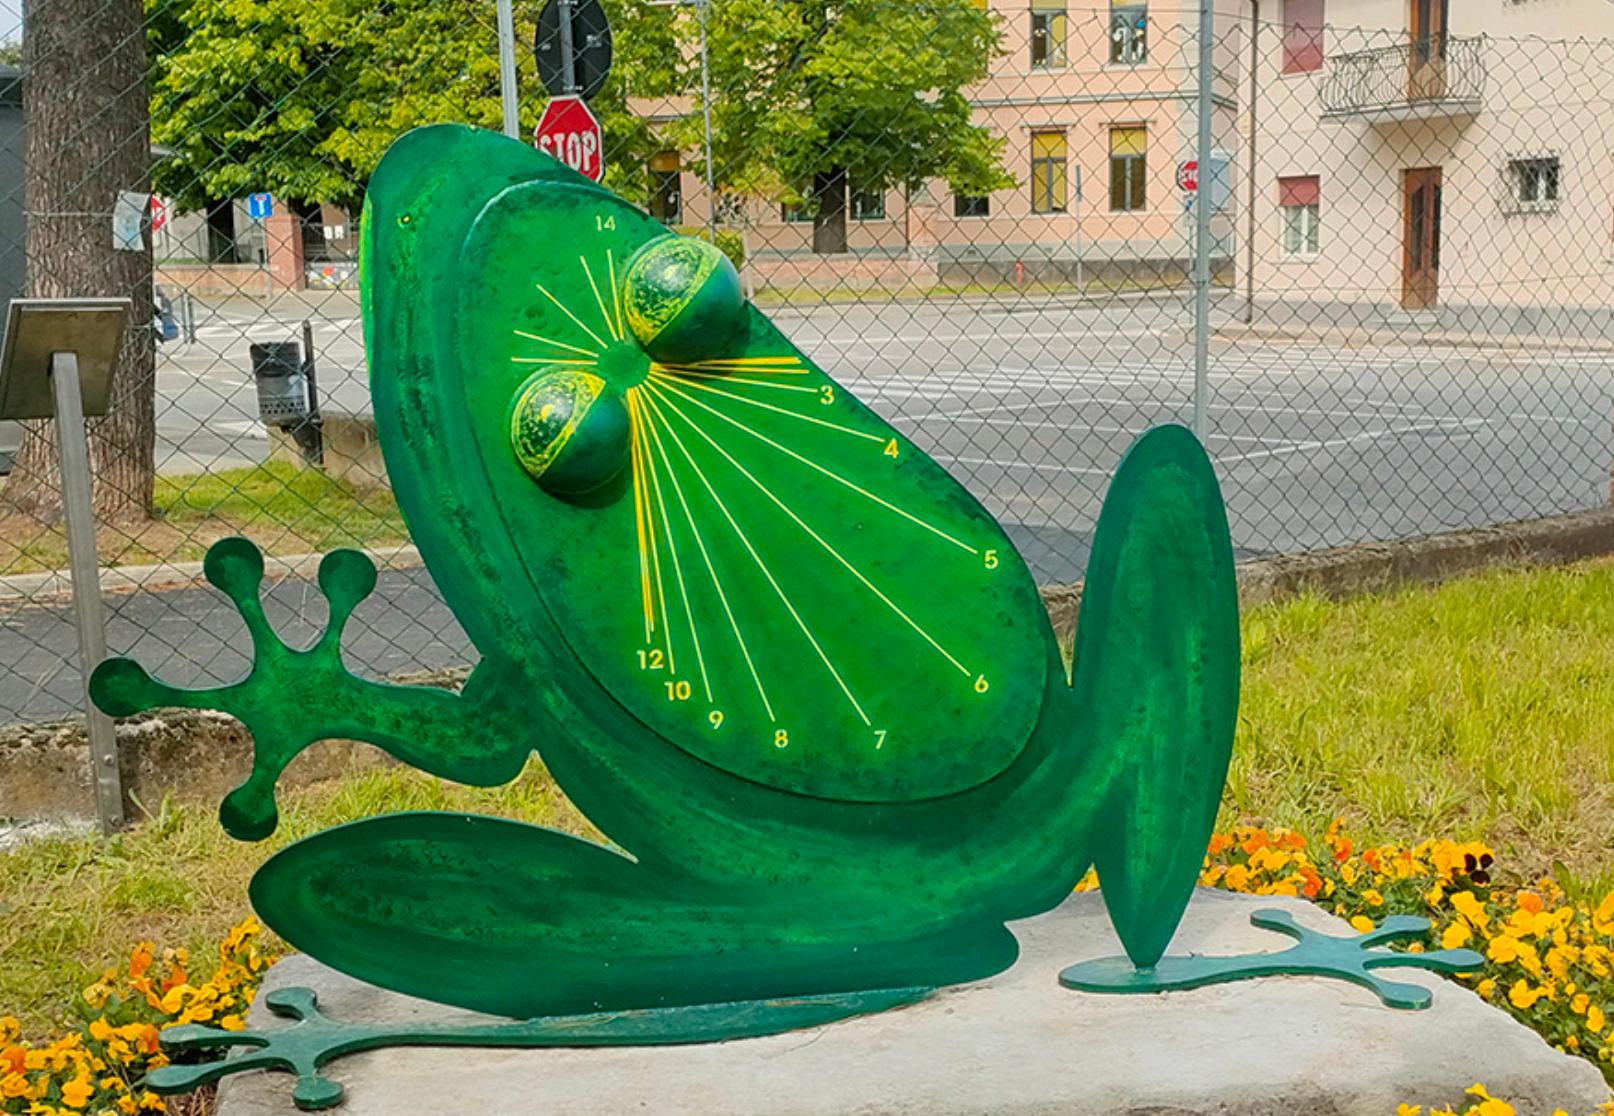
(1300, 190)
(1129, 141)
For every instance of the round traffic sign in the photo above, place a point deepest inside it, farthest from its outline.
(1188, 175)
(570, 132)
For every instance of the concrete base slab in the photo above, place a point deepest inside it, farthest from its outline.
(1016, 1044)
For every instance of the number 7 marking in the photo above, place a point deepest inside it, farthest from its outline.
(879, 739)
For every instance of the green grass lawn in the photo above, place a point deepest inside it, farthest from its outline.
(284, 507)
(1479, 710)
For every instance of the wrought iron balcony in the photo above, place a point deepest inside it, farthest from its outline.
(1434, 77)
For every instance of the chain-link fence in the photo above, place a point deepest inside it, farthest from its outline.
(981, 219)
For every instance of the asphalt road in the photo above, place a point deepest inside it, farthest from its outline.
(1029, 402)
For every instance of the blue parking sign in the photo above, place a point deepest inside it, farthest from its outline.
(260, 206)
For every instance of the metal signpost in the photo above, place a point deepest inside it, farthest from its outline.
(573, 49)
(261, 207)
(57, 362)
(1202, 268)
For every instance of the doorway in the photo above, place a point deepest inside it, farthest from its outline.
(1426, 54)
(1420, 242)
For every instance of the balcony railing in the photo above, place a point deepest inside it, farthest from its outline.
(1438, 76)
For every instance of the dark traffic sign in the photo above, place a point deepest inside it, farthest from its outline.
(573, 47)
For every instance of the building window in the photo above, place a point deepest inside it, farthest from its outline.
(1298, 201)
(1533, 183)
(1302, 36)
(797, 212)
(868, 205)
(1129, 33)
(1048, 172)
(1129, 169)
(1048, 27)
(972, 205)
(666, 189)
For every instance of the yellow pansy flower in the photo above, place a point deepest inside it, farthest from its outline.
(1455, 936)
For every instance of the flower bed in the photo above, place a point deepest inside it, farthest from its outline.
(98, 1067)
(1549, 962)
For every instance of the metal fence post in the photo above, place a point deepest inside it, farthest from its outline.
(87, 606)
(507, 69)
(1202, 268)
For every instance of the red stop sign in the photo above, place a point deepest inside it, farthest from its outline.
(1188, 176)
(570, 132)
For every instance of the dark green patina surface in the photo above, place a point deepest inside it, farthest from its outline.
(786, 663)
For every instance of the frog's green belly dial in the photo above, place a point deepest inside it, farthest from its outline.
(784, 586)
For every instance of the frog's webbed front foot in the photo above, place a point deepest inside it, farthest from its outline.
(292, 698)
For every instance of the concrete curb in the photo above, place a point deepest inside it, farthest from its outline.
(35, 588)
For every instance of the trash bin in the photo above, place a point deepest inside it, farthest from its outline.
(277, 369)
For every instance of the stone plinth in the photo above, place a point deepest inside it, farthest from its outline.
(1017, 1044)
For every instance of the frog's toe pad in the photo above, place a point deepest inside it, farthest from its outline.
(1314, 953)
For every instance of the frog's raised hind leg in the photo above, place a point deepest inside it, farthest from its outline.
(517, 920)
(1156, 678)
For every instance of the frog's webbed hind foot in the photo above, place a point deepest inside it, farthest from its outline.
(293, 697)
(306, 1046)
(1354, 958)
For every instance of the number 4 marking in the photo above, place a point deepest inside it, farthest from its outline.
(891, 448)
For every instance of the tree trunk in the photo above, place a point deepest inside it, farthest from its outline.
(85, 109)
(829, 212)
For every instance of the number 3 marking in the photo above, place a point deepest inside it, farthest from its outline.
(826, 394)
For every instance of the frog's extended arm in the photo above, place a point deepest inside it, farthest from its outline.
(293, 698)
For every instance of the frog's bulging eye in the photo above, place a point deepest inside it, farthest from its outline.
(569, 431)
(682, 299)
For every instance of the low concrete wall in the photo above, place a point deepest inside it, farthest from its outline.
(44, 769)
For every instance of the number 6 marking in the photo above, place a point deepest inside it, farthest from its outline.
(981, 684)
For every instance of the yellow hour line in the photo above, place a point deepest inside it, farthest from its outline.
(828, 473)
(597, 339)
(557, 344)
(637, 433)
(574, 362)
(784, 411)
(781, 363)
(616, 293)
(683, 373)
(654, 399)
(672, 550)
(638, 518)
(816, 537)
(717, 584)
(599, 300)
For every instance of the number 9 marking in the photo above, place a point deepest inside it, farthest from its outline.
(716, 717)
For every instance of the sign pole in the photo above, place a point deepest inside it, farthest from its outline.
(74, 456)
(568, 62)
(507, 69)
(1202, 271)
(702, 9)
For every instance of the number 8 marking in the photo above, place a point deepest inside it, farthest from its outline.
(781, 739)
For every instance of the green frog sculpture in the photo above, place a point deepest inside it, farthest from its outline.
(794, 672)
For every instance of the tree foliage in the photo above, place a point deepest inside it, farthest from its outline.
(301, 97)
